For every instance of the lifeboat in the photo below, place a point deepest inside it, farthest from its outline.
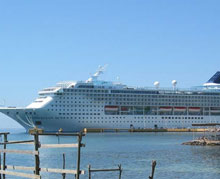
(167, 109)
(111, 108)
(124, 108)
(180, 109)
(215, 110)
(194, 109)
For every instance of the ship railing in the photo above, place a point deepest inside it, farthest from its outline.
(193, 90)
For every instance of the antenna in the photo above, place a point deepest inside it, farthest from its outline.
(157, 84)
(100, 71)
(2, 102)
(174, 83)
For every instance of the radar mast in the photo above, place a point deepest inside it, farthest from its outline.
(100, 71)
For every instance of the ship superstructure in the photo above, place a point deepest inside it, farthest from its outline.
(75, 105)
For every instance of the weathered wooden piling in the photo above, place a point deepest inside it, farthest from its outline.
(5, 134)
(154, 163)
(78, 155)
(64, 165)
(36, 147)
(0, 164)
(120, 171)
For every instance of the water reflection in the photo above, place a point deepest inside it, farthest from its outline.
(134, 151)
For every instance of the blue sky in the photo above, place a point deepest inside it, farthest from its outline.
(43, 42)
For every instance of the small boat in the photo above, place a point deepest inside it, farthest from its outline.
(194, 109)
(215, 110)
(167, 109)
(180, 109)
(124, 108)
(111, 108)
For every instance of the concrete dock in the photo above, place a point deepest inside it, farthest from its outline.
(98, 130)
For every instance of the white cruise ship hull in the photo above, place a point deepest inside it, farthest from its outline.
(23, 117)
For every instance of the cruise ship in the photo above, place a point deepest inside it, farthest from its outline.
(75, 105)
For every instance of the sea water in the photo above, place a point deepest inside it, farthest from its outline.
(134, 151)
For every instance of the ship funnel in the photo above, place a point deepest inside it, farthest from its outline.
(214, 80)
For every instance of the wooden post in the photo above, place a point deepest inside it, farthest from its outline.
(4, 154)
(36, 147)
(64, 166)
(154, 163)
(78, 156)
(89, 167)
(0, 164)
(120, 171)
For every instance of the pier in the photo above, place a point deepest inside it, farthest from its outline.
(36, 169)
